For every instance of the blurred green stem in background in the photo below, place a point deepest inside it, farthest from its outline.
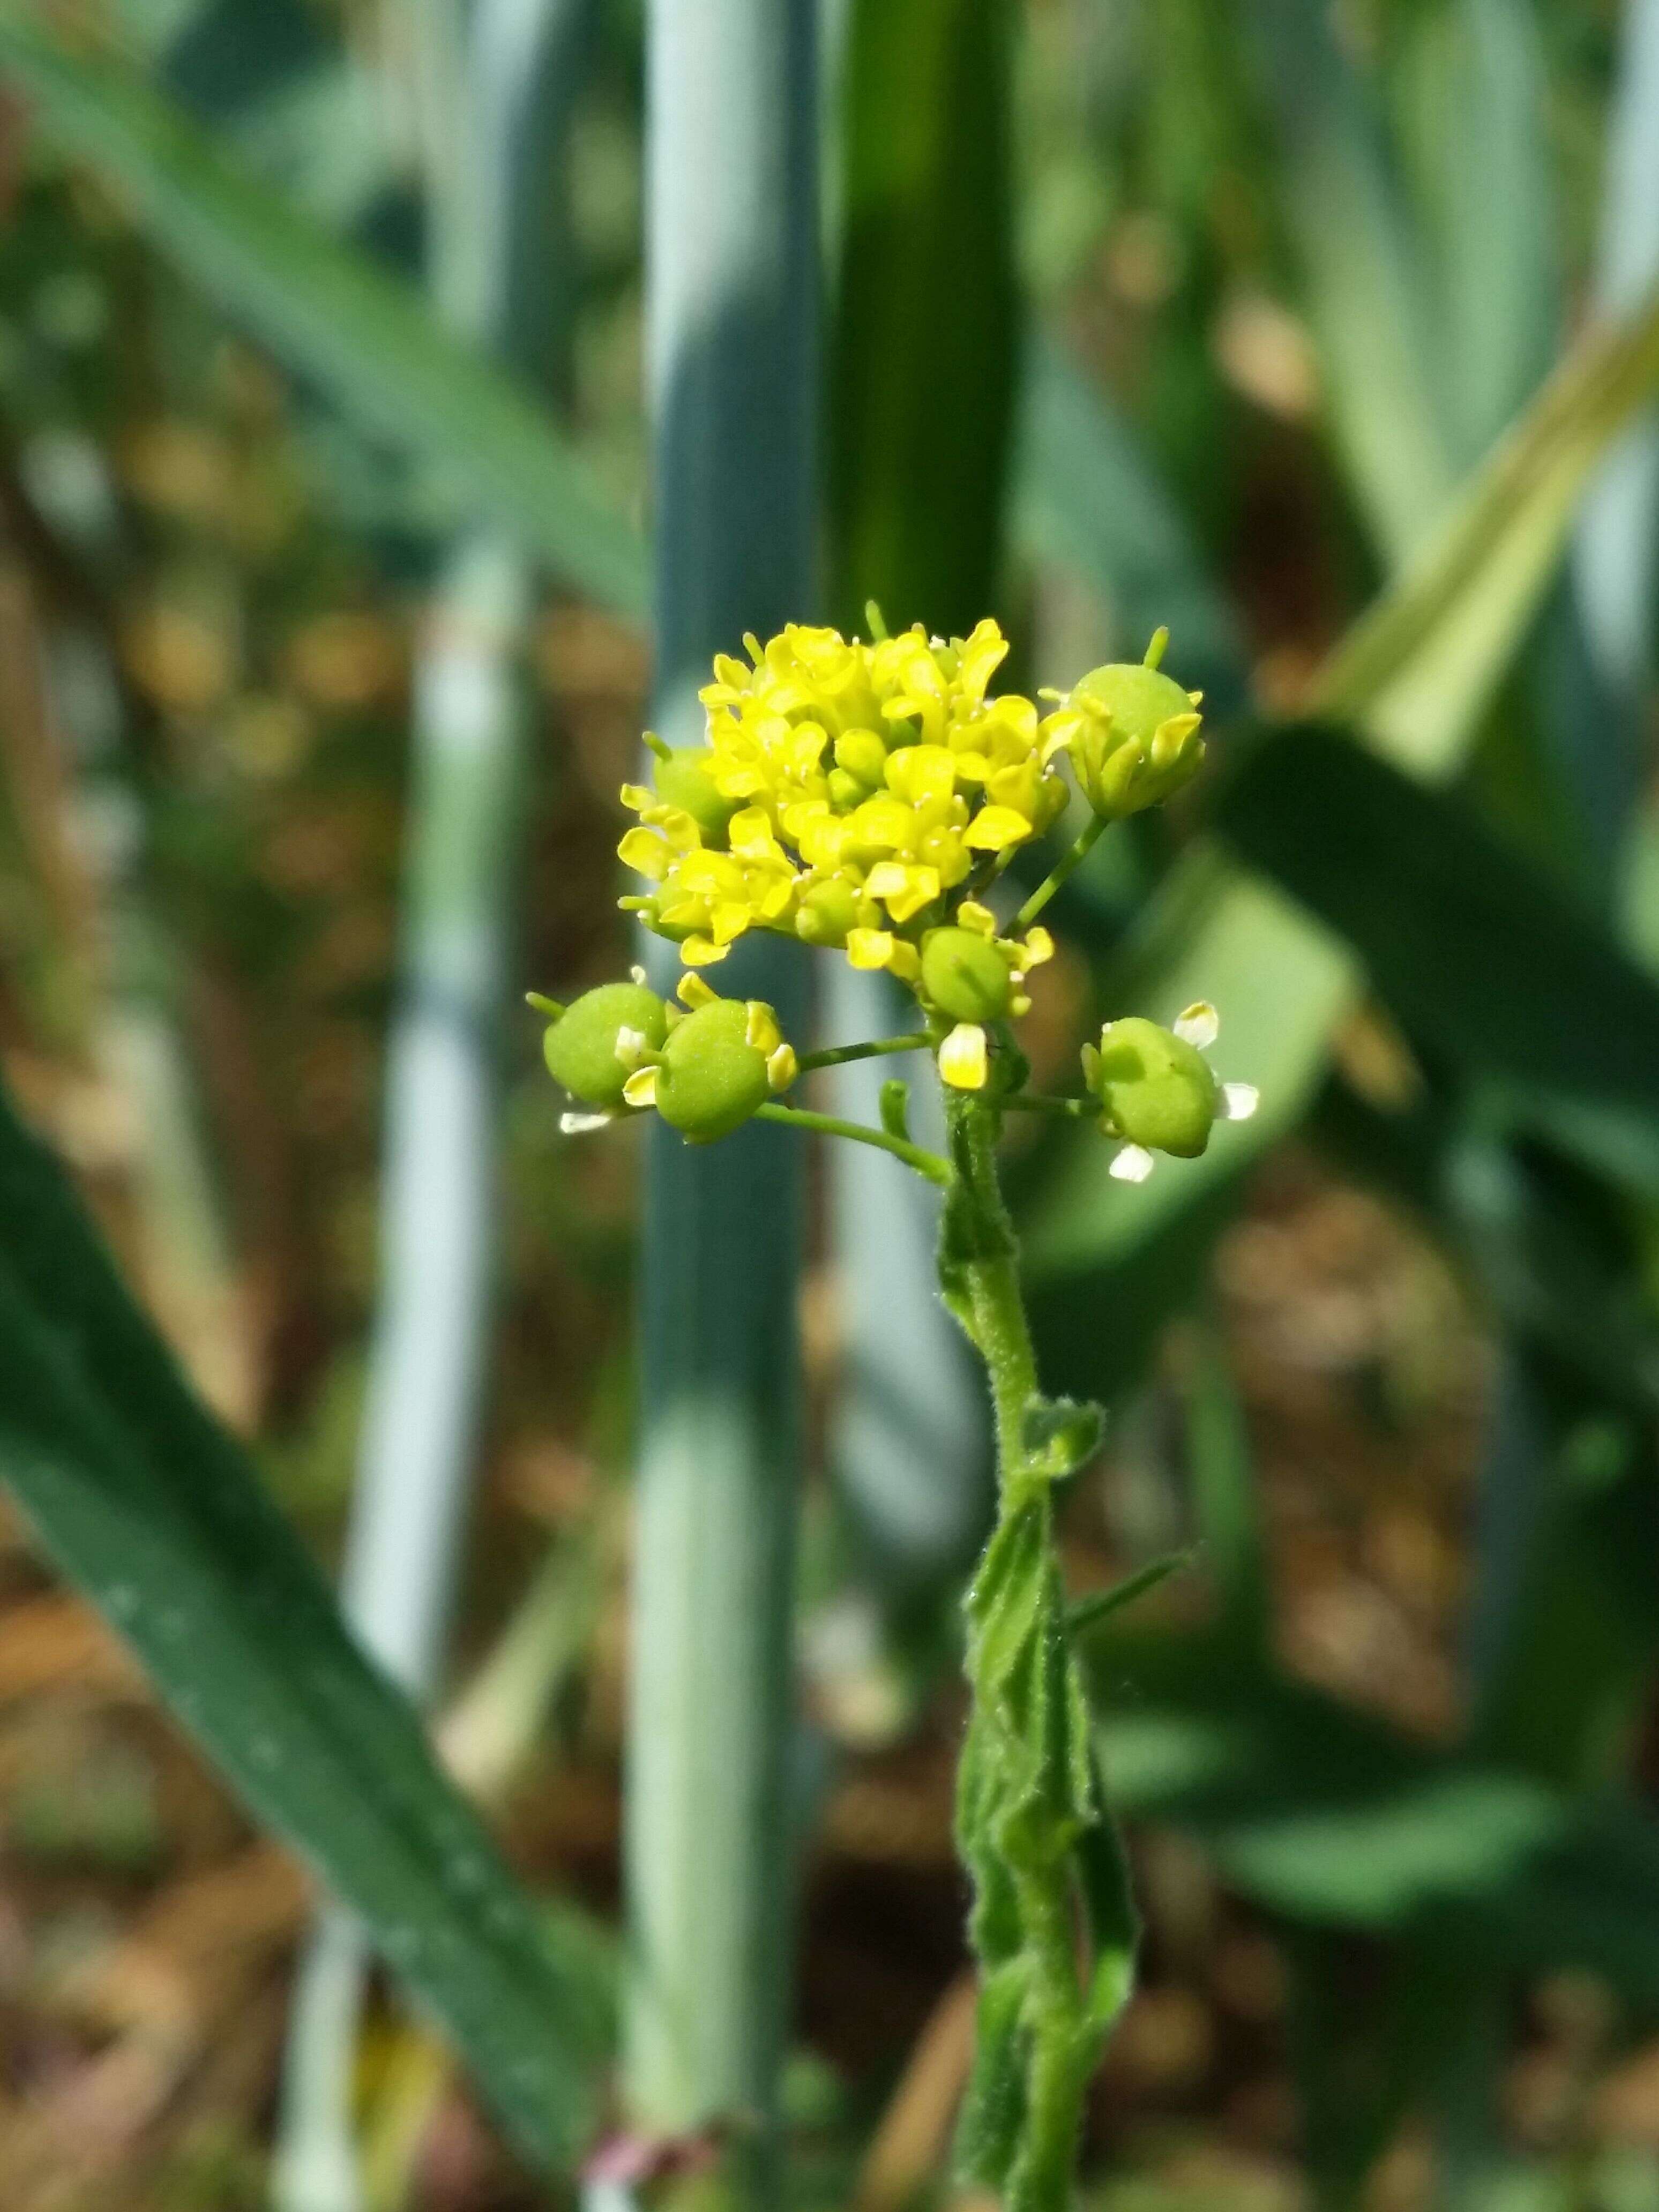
(731, 270)
(1616, 542)
(922, 368)
(483, 86)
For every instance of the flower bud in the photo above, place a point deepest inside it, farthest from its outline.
(1155, 1089)
(581, 1047)
(863, 755)
(827, 912)
(683, 780)
(964, 976)
(1133, 737)
(713, 1073)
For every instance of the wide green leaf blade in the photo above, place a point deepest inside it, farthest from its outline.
(1478, 951)
(331, 314)
(923, 359)
(155, 1510)
(1414, 673)
(1331, 1818)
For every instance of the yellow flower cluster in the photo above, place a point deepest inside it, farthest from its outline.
(851, 789)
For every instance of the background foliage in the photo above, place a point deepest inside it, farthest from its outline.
(1326, 336)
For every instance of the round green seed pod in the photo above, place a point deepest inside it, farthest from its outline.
(1140, 744)
(1156, 1089)
(826, 912)
(581, 1047)
(711, 1079)
(1139, 697)
(966, 976)
(682, 780)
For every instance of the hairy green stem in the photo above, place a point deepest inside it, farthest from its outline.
(1031, 1825)
(831, 1125)
(998, 1310)
(1056, 876)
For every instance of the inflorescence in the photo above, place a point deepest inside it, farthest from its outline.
(866, 797)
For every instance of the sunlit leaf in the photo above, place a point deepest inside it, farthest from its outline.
(154, 1510)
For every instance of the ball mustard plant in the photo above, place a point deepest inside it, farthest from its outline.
(866, 798)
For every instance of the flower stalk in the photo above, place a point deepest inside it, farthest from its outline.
(865, 799)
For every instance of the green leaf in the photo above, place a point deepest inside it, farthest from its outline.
(154, 1510)
(993, 2120)
(331, 314)
(1478, 952)
(1089, 500)
(1468, 98)
(1413, 673)
(923, 359)
(1087, 1613)
(1333, 1820)
(1059, 1435)
(1362, 272)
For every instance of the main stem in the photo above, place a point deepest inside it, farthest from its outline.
(1063, 2040)
(999, 1328)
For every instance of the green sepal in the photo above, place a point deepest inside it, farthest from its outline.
(991, 2127)
(1060, 1434)
(895, 1108)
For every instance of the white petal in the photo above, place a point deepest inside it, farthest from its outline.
(1200, 1025)
(1133, 1163)
(962, 1058)
(579, 1125)
(630, 1046)
(637, 974)
(1239, 1101)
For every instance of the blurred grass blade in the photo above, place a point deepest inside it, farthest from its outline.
(1088, 500)
(331, 314)
(1617, 543)
(921, 379)
(495, 108)
(1469, 99)
(733, 218)
(923, 358)
(152, 1508)
(1418, 668)
(1222, 1472)
(1363, 275)
(1414, 673)
(1480, 953)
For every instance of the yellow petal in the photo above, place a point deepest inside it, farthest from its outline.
(694, 993)
(870, 948)
(644, 852)
(640, 1088)
(761, 1030)
(962, 1058)
(700, 953)
(970, 915)
(782, 1067)
(730, 919)
(995, 830)
(903, 890)
(750, 830)
(1039, 947)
